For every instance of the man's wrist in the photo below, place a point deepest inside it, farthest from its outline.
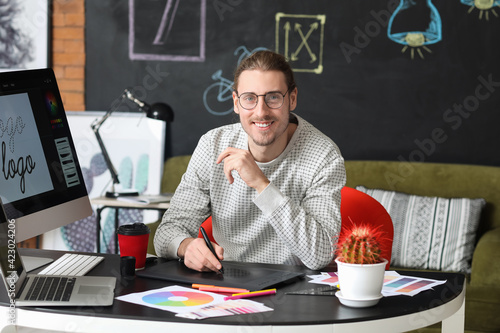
(181, 250)
(262, 186)
(269, 200)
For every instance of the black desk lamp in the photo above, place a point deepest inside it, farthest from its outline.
(159, 111)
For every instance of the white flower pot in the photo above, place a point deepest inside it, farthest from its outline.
(361, 282)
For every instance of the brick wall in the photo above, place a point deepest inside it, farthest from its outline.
(68, 51)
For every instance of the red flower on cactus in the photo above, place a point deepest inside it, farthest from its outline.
(360, 244)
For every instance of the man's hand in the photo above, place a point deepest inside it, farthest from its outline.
(198, 256)
(243, 162)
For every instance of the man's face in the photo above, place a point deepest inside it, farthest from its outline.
(265, 126)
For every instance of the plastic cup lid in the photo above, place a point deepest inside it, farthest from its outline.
(133, 229)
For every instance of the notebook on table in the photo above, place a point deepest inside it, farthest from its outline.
(237, 275)
(47, 290)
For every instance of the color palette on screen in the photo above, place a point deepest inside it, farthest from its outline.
(51, 103)
(178, 298)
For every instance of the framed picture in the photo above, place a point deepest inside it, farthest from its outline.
(136, 146)
(25, 34)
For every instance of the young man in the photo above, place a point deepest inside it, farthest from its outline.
(271, 182)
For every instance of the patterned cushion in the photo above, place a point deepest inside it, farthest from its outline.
(431, 232)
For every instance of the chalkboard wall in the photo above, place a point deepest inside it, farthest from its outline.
(410, 80)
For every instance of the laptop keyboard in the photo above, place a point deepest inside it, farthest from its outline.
(71, 264)
(50, 288)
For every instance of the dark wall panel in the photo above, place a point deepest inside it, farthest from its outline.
(377, 91)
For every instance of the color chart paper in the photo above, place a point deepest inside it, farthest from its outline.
(175, 299)
(328, 278)
(228, 308)
(408, 285)
(394, 283)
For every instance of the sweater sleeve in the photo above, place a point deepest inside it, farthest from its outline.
(308, 227)
(189, 206)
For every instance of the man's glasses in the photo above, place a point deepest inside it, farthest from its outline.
(273, 99)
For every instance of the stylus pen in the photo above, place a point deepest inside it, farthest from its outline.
(209, 244)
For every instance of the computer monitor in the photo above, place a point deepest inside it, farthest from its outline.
(41, 183)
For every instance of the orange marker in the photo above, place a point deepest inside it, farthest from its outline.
(205, 287)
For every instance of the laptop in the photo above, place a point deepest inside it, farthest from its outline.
(47, 290)
(236, 274)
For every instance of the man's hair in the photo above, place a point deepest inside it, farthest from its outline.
(266, 61)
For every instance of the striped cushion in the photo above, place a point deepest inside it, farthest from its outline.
(431, 232)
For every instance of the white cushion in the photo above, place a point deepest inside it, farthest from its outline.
(431, 232)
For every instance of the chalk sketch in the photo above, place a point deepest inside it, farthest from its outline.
(161, 43)
(167, 21)
(216, 96)
(302, 42)
(415, 24)
(485, 7)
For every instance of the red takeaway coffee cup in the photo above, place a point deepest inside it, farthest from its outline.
(133, 241)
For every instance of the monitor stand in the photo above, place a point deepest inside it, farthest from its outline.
(32, 263)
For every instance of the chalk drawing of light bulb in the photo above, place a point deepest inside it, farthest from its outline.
(415, 24)
(485, 7)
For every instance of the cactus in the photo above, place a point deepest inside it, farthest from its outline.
(360, 245)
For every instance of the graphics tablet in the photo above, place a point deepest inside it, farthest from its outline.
(238, 275)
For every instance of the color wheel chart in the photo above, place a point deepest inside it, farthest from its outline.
(175, 299)
(178, 298)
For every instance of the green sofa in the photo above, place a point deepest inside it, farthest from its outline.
(482, 304)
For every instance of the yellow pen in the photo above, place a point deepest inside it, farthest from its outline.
(251, 294)
(268, 291)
